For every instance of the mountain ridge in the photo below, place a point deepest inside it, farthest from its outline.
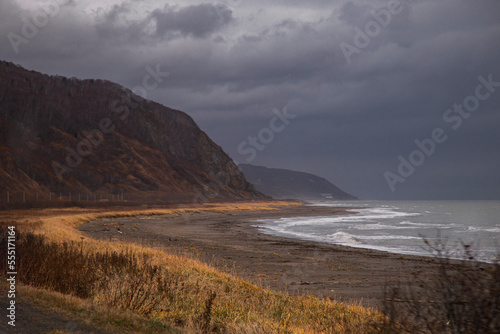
(95, 136)
(284, 183)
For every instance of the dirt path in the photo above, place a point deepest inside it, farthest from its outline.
(31, 319)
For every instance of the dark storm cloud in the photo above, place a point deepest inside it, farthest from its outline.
(352, 13)
(199, 21)
(232, 62)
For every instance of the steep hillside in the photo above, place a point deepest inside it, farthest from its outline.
(284, 183)
(64, 136)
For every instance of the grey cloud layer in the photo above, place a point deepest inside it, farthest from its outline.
(230, 63)
(199, 21)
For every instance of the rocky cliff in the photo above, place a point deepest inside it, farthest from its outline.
(64, 136)
(284, 183)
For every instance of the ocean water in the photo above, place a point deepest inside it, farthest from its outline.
(401, 226)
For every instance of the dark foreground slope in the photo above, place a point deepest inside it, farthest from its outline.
(64, 136)
(284, 183)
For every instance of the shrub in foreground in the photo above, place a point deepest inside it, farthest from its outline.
(462, 297)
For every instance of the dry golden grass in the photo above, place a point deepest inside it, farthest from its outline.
(86, 312)
(185, 292)
(59, 224)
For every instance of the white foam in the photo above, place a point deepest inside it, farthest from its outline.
(337, 204)
(363, 215)
(483, 229)
(387, 237)
(379, 226)
(429, 225)
(343, 238)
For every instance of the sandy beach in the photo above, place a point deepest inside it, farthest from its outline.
(230, 242)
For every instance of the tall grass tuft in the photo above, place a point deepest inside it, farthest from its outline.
(117, 279)
(463, 297)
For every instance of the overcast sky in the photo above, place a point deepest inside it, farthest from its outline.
(355, 83)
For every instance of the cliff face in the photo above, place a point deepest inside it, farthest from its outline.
(94, 136)
(284, 183)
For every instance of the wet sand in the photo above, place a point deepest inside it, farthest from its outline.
(230, 242)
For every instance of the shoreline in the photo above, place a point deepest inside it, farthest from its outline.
(231, 243)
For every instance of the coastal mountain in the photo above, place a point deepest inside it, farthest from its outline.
(63, 136)
(284, 183)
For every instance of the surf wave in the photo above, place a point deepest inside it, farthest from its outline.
(387, 237)
(343, 238)
(483, 229)
(427, 225)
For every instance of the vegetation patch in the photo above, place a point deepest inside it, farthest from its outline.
(462, 297)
